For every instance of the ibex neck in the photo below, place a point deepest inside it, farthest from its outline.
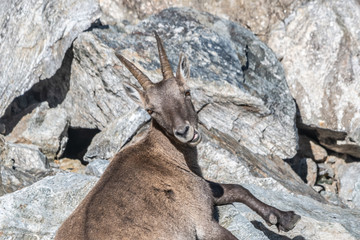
(183, 154)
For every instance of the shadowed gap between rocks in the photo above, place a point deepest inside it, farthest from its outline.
(79, 141)
(314, 134)
(53, 90)
(316, 164)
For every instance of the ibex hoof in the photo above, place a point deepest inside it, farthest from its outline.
(284, 221)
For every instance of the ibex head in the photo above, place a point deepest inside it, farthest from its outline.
(168, 101)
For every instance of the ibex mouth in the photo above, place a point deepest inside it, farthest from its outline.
(196, 138)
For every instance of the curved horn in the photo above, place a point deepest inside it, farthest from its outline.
(139, 75)
(164, 62)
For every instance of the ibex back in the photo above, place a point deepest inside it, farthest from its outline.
(152, 189)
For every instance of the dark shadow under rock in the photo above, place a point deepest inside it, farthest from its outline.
(53, 90)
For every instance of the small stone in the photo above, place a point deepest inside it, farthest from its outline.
(312, 170)
(318, 188)
(44, 127)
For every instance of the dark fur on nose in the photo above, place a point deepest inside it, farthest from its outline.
(181, 132)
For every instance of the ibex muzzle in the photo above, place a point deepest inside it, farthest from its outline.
(153, 188)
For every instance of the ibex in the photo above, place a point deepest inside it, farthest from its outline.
(151, 189)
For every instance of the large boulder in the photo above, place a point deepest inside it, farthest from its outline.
(319, 46)
(34, 38)
(44, 127)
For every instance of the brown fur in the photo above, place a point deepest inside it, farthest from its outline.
(153, 189)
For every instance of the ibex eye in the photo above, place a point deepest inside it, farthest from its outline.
(187, 93)
(149, 111)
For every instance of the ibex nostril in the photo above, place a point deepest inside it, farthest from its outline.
(183, 131)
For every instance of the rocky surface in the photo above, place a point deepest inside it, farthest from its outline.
(47, 128)
(109, 141)
(349, 181)
(246, 112)
(37, 211)
(258, 16)
(319, 45)
(20, 165)
(33, 40)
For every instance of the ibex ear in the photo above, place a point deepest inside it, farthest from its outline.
(183, 71)
(136, 94)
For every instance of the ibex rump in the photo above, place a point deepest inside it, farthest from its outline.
(152, 189)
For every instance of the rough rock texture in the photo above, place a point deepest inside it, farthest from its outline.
(257, 15)
(349, 181)
(96, 167)
(44, 127)
(96, 96)
(38, 33)
(109, 141)
(319, 46)
(20, 165)
(37, 211)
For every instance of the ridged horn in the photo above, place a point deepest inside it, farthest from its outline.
(138, 74)
(164, 62)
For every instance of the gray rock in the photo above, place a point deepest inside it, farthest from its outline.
(96, 167)
(109, 141)
(319, 47)
(96, 96)
(37, 211)
(20, 165)
(349, 181)
(257, 15)
(34, 38)
(44, 127)
(326, 170)
(24, 156)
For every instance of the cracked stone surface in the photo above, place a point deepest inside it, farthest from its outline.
(34, 37)
(319, 45)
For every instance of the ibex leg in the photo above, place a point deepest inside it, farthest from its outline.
(229, 193)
